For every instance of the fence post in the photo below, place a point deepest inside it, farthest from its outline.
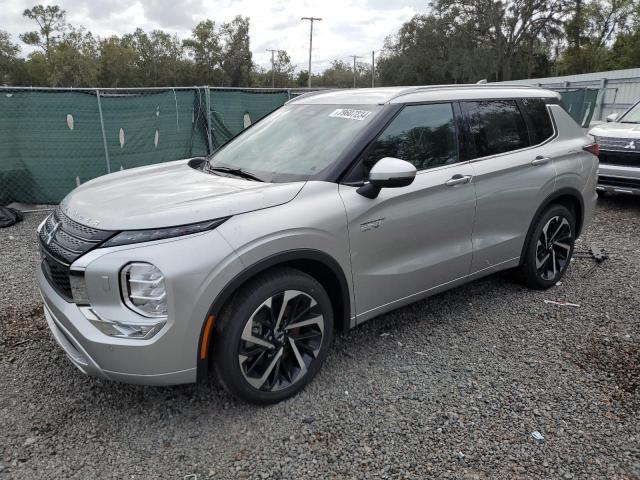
(175, 99)
(600, 101)
(208, 105)
(104, 135)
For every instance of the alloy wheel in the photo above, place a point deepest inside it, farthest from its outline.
(553, 248)
(280, 340)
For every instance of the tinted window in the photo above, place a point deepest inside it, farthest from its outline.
(496, 126)
(424, 135)
(541, 125)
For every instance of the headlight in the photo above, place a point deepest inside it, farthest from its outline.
(138, 236)
(143, 289)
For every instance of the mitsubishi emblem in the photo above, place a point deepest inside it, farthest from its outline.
(631, 145)
(52, 233)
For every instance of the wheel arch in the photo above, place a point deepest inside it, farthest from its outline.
(315, 263)
(568, 197)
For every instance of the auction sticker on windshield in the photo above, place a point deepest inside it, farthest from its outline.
(350, 113)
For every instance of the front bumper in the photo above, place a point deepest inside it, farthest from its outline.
(70, 329)
(196, 268)
(619, 179)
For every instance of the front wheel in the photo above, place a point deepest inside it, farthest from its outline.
(550, 248)
(273, 337)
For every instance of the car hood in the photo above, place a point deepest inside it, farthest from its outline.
(614, 129)
(169, 194)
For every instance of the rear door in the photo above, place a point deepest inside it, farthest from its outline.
(411, 239)
(514, 172)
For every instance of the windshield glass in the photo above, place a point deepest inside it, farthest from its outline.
(293, 143)
(632, 116)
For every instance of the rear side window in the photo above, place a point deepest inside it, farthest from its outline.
(424, 135)
(541, 125)
(496, 126)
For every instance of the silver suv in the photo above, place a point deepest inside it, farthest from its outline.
(333, 209)
(619, 141)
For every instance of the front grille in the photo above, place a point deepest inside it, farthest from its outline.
(624, 159)
(619, 182)
(613, 144)
(63, 241)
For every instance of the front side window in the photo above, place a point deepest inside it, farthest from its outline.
(424, 135)
(295, 142)
(541, 125)
(497, 126)
(632, 116)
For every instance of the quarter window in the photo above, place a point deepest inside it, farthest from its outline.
(541, 125)
(424, 135)
(497, 126)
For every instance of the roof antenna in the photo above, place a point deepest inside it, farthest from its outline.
(481, 82)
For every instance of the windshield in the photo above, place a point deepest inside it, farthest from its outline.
(293, 143)
(632, 116)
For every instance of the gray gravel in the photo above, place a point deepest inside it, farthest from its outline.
(450, 387)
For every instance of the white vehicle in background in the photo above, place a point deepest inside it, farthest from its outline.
(619, 141)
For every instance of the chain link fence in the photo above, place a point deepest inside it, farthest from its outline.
(54, 139)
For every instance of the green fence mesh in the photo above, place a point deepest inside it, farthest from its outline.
(580, 103)
(231, 112)
(50, 140)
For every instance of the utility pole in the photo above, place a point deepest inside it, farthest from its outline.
(354, 69)
(373, 68)
(311, 20)
(273, 78)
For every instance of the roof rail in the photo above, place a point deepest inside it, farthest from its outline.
(411, 90)
(311, 94)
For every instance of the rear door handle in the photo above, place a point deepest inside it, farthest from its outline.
(540, 160)
(458, 180)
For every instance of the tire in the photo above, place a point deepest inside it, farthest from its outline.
(548, 255)
(260, 359)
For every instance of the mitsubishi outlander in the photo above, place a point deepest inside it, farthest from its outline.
(335, 208)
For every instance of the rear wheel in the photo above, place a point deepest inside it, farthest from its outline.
(273, 337)
(550, 248)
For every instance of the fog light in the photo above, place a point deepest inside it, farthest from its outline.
(139, 330)
(78, 287)
(143, 289)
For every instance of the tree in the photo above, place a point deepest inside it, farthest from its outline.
(625, 52)
(283, 69)
(590, 30)
(74, 59)
(302, 78)
(8, 57)
(117, 64)
(51, 22)
(236, 54)
(340, 75)
(505, 25)
(159, 57)
(205, 49)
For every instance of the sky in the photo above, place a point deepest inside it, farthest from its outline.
(348, 27)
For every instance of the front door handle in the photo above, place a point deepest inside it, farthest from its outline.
(540, 160)
(458, 180)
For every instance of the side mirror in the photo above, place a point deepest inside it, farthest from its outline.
(388, 172)
(613, 117)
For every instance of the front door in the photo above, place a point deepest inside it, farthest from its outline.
(412, 239)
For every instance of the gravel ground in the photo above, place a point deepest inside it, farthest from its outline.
(450, 387)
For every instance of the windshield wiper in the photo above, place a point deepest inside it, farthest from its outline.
(238, 172)
(628, 121)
